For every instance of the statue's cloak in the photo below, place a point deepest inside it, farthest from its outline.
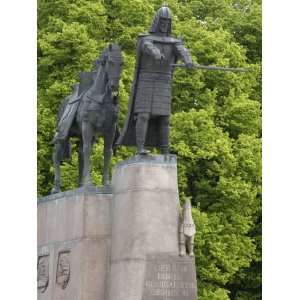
(128, 135)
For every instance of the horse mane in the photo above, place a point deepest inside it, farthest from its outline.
(113, 51)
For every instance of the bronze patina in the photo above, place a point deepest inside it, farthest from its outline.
(89, 112)
(147, 123)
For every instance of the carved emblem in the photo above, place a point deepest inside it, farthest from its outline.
(43, 273)
(63, 269)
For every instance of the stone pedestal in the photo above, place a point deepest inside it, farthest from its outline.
(121, 245)
(74, 237)
(145, 215)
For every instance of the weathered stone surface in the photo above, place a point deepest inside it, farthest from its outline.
(119, 246)
(126, 281)
(145, 214)
(43, 272)
(74, 231)
(148, 176)
(170, 277)
(150, 225)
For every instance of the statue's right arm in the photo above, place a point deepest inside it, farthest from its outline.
(149, 48)
(184, 54)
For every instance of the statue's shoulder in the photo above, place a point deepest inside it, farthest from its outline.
(175, 40)
(143, 37)
(159, 39)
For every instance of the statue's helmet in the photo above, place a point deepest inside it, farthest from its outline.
(164, 13)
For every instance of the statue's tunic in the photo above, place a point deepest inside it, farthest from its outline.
(155, 78)
(151, 91)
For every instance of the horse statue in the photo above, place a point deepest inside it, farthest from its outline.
(89, 112)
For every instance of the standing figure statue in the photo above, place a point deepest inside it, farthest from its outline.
(187, 230)
(90, 111)
(147, 123)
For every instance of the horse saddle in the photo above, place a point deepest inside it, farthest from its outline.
(99, 98)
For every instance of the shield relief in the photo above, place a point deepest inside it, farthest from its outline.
(43, 273)
(63, 269)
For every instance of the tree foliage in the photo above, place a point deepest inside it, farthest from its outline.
(215, 126)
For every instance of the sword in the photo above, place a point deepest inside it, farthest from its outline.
(215, 68)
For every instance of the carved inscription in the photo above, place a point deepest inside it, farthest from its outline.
(63, 269)
(43, 273)
(170, 278)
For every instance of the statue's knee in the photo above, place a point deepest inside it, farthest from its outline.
(86, 147)
(165, 121)
(143, 117)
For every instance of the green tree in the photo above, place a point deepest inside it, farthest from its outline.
(215, 126)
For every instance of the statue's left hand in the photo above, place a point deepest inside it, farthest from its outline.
(189, 65)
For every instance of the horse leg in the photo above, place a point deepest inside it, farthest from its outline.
(108, 142)
(80, 162)
(57, 157)
(87, 137)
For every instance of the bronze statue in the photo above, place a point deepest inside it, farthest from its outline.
(187, 230)
(91, 110)
(147, 123)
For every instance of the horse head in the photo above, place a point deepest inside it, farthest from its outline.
(112, 68)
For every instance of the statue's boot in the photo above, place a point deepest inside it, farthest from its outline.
(164, 136)
(182, 247)
(191, 249)
(182, 251)
(87, 181)
(105, 180)
(56, 189)
(141, 131)
(142, 151)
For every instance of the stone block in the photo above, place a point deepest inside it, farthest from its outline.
(170, 277)
(145, 215)
(147, 222)
(122, 245)
(74, 233)
(127, 278)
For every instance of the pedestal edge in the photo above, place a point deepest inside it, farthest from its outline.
(170, 159)
(93, 190)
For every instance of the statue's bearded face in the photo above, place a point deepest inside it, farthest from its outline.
(163, 25)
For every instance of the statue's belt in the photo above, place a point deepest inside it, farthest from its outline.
(144, 75)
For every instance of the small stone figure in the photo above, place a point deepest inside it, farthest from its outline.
(147, 123)
(187, 230)
(89, 112)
